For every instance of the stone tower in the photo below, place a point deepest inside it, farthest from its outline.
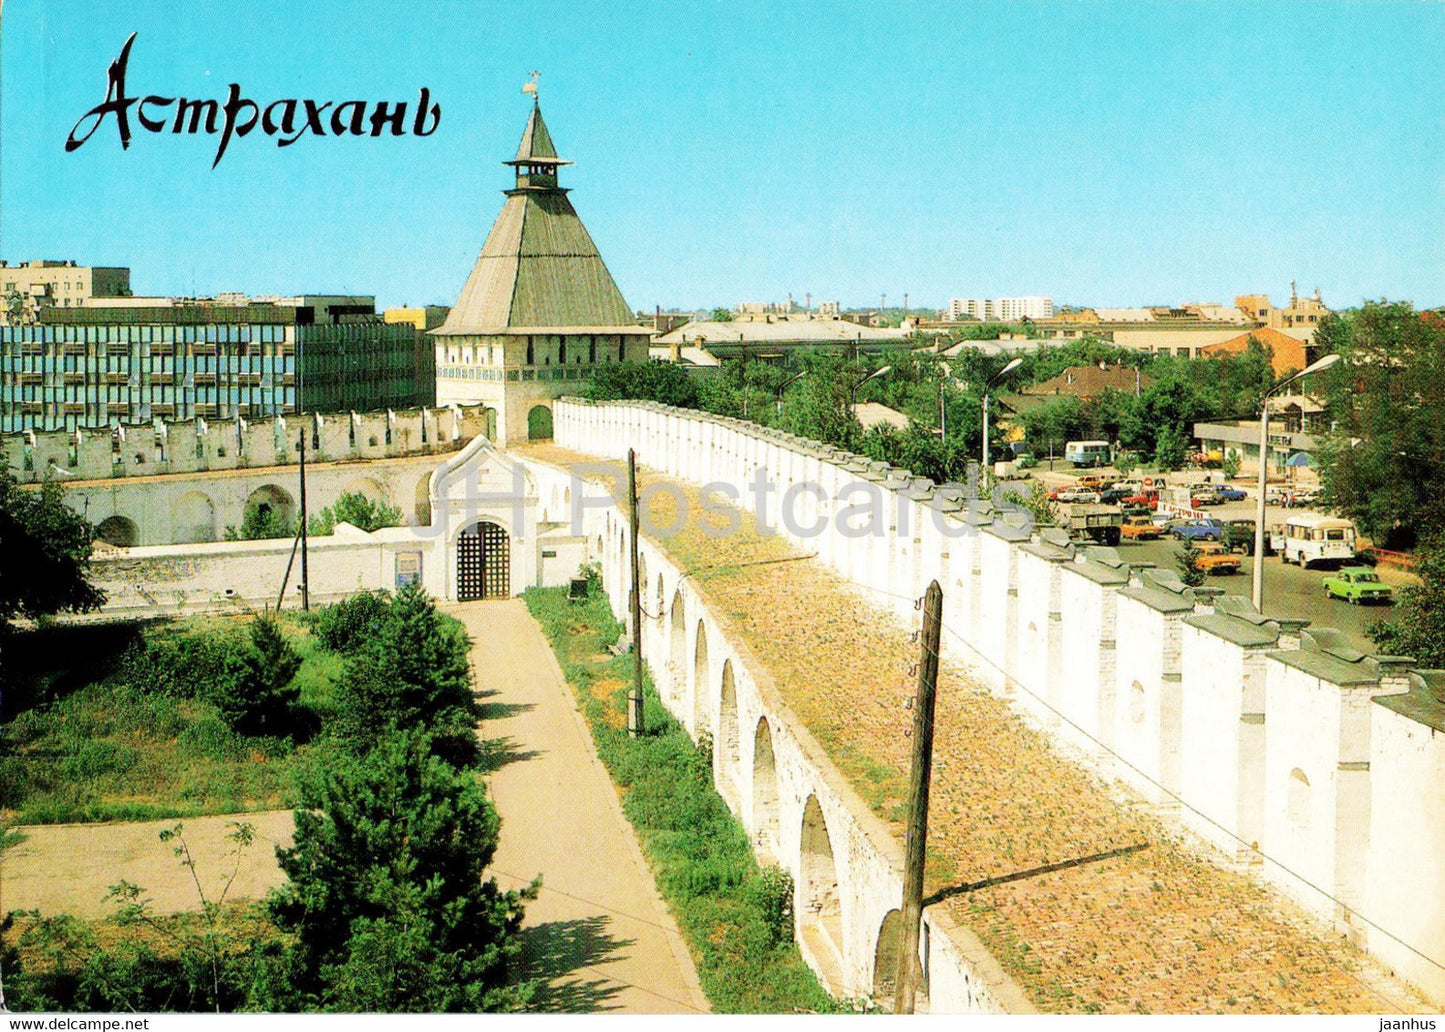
(539, 311)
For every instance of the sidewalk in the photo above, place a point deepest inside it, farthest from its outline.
(599, 930)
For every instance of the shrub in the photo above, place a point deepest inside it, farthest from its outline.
(347, 624)
(263, 700)
(357, 509)
(413, 672)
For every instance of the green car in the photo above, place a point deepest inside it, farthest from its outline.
(1356, 584)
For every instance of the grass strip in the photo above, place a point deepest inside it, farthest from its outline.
(736, 916)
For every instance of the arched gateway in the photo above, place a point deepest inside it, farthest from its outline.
(484, 563)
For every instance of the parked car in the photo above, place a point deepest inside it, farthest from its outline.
(1215, 558)
(1240, 534)
(1205, 494)
(1114, 495)
(1093, 481)
(1230, 494)
(1198, 530)
(1139, 528)
(1082, 495)
(1356, 584)
(1145, 499)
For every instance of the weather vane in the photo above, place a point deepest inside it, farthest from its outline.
(527, 87)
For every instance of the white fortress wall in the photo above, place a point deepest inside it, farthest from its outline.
(1257, 734)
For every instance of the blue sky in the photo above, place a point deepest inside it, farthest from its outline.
(1108, 154)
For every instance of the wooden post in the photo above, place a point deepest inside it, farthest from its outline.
(634, 697)
(305, 570)
(917, 835)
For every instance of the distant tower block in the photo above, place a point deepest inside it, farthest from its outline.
(539, 311)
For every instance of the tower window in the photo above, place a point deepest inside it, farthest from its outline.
(530, 357)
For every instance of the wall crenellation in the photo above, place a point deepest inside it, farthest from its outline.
(202, 445)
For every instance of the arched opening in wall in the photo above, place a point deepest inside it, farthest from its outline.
(368, 488)
(885, 957)
(729, 752)
(272, 505)
(539, 423)
(1136, 703)
(484, 562)
(489, 423)
(678, 652)
(118, 531)
(765, 787)
(193, 519)
(1298, 804)
(421, 501)
(642, 583)
(661, 599)
(699, 682)
(820, 906)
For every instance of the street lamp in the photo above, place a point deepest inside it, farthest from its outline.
(1257, 594)
(784, 386)
(853, 398)
(944, 375)
(986, 388)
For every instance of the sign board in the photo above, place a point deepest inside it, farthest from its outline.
(408, 568)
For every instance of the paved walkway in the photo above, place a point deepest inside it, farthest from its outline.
(599, 931)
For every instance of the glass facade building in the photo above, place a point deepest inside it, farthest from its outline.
(106, 366)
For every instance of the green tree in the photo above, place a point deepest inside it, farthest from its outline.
(817, 406)
(357, 509)
(1231, 464)
(1380, 464)
(44, 553)
(722, 315)
(1186, 559)
(413, 673)
(1053, 424)
(386, 894)
(264, 699)
(1170, 449)
(643, 381)
(260, 522)
(1417, 627)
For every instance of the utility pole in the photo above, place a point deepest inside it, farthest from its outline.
(920, 776)
(634, 697)
(305, 577)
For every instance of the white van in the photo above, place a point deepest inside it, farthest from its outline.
(1313, 539)
(1088, 453)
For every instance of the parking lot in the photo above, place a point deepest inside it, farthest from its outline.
(1288, 590)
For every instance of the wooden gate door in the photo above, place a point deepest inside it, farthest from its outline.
(484, 563)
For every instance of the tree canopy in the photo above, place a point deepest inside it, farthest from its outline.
(1380, 465)
(44, 553)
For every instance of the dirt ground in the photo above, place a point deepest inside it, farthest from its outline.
(68, 868)
(1167, 928)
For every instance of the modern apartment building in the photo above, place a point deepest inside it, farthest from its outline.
(1001, 309)
(30, 287)
(99, 366)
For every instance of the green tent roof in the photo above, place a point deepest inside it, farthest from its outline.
(539, 269)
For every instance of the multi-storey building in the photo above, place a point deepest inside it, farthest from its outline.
(31, 287)
(1001, 309)
(539, 311)
(107, 365)
(1301, 317)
